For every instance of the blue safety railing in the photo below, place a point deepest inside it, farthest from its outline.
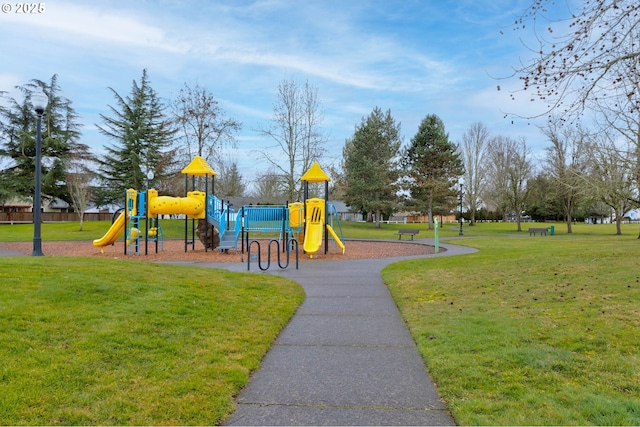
(215, 207)
(222, 214)
(265, 218)
(333, 214)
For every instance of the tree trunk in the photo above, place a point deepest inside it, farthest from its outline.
(568, 208)
(569, 220)
(377, 218)
(618, 225)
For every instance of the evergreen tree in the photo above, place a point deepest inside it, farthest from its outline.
(229, 182)
(142, 138)
(370, 165)
(543, 203)
(60, 135)
(432, 164)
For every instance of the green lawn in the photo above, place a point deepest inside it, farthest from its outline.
(87, 341)
(174, 229)
(530, 330)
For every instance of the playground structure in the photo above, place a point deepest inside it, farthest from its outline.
(307, 223)
(147, 206)
(319, 215)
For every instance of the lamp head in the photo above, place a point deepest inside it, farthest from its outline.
(39, 100)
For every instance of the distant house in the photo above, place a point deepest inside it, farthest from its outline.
(93, 209)
(57, 205)
(633, 215)
(416, 217)
(344, 212)
(26, 205)
(16, 205)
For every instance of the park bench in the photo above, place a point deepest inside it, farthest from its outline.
(410, 231)
(541, 230)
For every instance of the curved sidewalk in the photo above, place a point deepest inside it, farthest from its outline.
(346, 356)
(8, 252)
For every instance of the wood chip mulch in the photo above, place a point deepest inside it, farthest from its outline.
(174, 250)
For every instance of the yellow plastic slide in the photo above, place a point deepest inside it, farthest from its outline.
(314, 226)
(112, 234)
(312, 238)
(335, 237)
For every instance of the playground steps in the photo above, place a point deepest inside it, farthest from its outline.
(228, 241)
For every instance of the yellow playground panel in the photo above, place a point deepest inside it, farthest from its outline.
(296, 220)
(192, 206)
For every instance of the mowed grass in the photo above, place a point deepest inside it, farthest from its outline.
(530, 330)
(87, 341)
(175, 229)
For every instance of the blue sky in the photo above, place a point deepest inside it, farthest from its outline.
(410, 56)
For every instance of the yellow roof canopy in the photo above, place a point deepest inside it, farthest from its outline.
(315, 174)
(199, 167)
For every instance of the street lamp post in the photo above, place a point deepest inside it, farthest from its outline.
(39, 101)
(461, 233)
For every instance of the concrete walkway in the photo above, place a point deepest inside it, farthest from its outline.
(345, 358)
(7, 252)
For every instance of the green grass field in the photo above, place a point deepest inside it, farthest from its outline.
(529, 330)
(87, 341)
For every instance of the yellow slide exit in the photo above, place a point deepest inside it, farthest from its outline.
(112, 234)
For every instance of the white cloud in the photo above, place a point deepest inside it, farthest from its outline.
(80, 23)
(8, 82)
(415, 58)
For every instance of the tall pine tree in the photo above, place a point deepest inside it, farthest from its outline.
(60, 136)
(432, 164)
(142, 138)
(370, 164)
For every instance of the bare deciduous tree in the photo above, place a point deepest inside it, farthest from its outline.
(610, 178)
(509, 168)
(204, 127)
(566, 162)
(583, 58)
(269, 187)
(473, 150)
(618, 116)
(295, 130)
(497, 166)
(79, 178)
